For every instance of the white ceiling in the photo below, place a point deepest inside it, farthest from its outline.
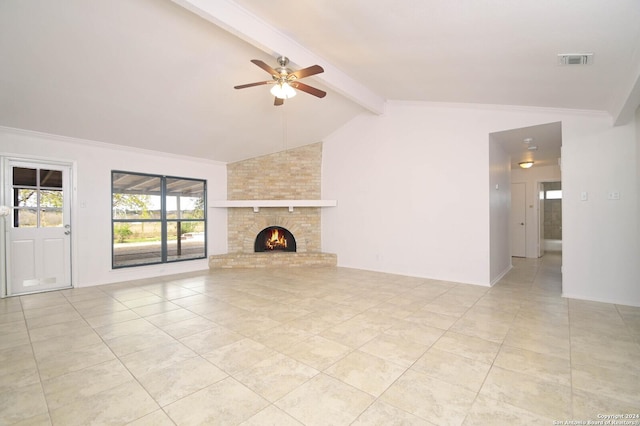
(540, 144)
(152, 74)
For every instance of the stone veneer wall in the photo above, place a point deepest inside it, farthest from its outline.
(288, 175)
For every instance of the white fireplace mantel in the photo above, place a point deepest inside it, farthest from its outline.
(257, 204)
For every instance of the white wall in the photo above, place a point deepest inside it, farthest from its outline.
(413, 195)
(499, 209)
(637, 124)
(91, 210)
(531, 177)
(409, 197)
(598, 240)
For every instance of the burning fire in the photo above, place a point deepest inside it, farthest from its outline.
(276, 241)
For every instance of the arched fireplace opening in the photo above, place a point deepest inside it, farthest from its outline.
(275, 238)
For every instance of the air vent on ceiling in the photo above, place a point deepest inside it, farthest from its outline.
(575, 58)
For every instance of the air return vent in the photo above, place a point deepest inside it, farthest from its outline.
(575, 58)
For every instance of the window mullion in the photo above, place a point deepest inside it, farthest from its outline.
(38, 212)
(163, 217)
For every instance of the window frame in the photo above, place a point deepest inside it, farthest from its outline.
(163, 220)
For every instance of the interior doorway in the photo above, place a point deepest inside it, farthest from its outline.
(526, 156)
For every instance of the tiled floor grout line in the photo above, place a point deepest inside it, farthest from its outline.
(114, 354)
(35, 359)
(570, 360)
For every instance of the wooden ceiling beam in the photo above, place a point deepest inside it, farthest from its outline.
(245, 25)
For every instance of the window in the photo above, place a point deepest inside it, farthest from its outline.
(157, 219)
(554, 194)
(37, 198)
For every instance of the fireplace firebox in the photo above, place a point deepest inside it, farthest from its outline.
(275, 238)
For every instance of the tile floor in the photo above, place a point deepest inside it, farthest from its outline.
(319, 346)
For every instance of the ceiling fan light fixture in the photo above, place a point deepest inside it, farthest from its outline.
(286, 82)
(526, 164)
(283, 90)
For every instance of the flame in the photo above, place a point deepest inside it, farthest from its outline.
(276, 241)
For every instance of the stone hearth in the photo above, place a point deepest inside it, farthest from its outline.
(271, 260)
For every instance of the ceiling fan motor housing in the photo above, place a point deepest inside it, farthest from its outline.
(283, 70)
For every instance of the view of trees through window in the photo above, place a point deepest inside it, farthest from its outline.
(157, 219)
(37, 198)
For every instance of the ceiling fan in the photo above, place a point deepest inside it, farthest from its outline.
(286, 81)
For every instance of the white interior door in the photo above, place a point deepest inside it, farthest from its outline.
(518, 220)
(39, 227)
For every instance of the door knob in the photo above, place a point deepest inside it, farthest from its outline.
(521, 223)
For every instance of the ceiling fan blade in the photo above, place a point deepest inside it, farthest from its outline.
(244, 86)
(306, 72)
(310, 90)
(265, 67)
(277, 101)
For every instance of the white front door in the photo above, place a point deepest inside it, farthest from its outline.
(518, 220)
(39, 227)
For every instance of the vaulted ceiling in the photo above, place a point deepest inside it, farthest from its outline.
(159, 74)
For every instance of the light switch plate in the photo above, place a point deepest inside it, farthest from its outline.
(613, 195)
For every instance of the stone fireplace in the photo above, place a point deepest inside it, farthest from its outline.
(274, 238)
(292, 175)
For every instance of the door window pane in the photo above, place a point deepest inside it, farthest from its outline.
(51, 178)
(25, 177)
(50, 218)
(25, 218)
(50, 198)
(25, 197)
